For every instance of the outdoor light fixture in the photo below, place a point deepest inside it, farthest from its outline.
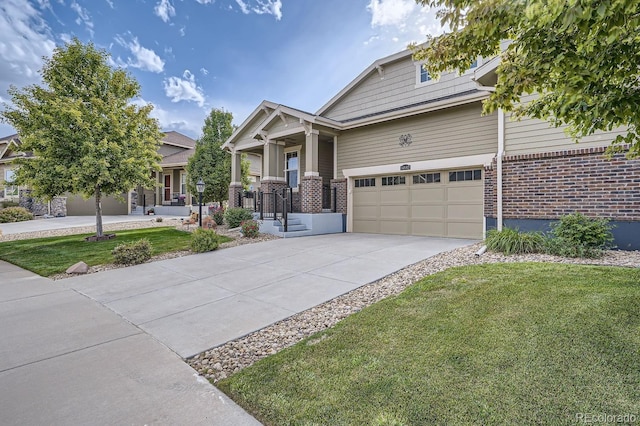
(200, 188)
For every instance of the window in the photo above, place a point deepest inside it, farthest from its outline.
(291, 169)
(362, 183)
(426, 178)
(393, 180)
(183, 183)
(9, 189)
(474, 64)
(424, 74)
(465, 175)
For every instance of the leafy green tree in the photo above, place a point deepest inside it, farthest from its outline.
(209, 161)
(579, 56)
(245, 165)
(85, 136)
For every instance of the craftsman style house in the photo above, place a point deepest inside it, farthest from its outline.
(403, 153)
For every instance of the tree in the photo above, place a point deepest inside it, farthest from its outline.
(85, 136)
(245, 166)
(579, 56)
(209, 161)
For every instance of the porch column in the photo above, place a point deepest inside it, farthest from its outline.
(159, 188)
(272, 171)
(311, 185)
(235, 187)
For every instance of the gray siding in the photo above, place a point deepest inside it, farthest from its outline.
(395, 88)
(277, 125)
(453, 132)
(325, 161)
(78, 206)
(245, 136)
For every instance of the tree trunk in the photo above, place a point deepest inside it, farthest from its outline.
(98, 212)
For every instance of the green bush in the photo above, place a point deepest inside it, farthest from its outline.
(15, 214)
(8, 203)
(579, 230)
(203, 240)
(511, 241)
(132, 253)
(250, 228)
(218, 215)
(236, 215)
(566, 248)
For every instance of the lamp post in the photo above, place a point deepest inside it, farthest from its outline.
(200, 188)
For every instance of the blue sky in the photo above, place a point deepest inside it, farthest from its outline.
(190, 56)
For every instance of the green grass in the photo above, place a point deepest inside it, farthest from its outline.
(53, 255)
(488, 344)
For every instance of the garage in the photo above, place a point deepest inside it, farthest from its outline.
(445, 203)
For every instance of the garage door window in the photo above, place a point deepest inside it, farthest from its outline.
(426, 178)
(465, 175)
(393, 180)
(361, 183)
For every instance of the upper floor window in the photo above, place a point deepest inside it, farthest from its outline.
(424, 74)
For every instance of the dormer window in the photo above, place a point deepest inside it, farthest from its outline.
(424, 74)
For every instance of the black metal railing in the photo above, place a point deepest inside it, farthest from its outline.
(248, 200)
(329, 198)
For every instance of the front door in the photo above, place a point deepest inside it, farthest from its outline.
(167, 187)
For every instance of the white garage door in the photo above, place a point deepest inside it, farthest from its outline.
(438, 203)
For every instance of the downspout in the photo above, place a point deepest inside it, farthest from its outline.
(499, 166)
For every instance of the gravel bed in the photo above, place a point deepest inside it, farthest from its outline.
(222, 361)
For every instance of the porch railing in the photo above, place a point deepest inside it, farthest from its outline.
(329, 198)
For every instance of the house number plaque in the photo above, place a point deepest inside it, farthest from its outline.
(405, 167)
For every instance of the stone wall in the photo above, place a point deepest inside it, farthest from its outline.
(39, 207)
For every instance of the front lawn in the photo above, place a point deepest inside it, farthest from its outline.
(53, 255)
(489, 344)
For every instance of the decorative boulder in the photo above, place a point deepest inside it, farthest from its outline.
(78, 268)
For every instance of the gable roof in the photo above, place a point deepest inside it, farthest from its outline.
(6, 152)
(265, 107)
(178, 159)
(377, 66)
(178, 139)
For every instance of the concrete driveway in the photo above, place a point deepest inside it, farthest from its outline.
(105, 348)
(197, 302)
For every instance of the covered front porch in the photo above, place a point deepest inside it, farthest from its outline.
(299, 167)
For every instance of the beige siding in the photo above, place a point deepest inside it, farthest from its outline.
(531, 135)
(277, 125)
(246, 136)
(325, 161)
(395, 88)
(453, 132)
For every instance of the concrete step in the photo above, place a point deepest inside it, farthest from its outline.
(291, 227)
(290, 221)
(293, 234)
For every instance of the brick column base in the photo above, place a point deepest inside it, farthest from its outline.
(267, 187)
(340, 186)
(311, 199)
(234, 192)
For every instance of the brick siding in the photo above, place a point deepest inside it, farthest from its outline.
(311, 197)
(550, 185)
(340, 186)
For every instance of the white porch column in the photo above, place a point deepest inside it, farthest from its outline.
(236, 169)
(311, 153)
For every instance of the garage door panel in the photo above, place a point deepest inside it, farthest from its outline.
(366, 226)
(428, 228)
(425, 193)
(366, 212)
(394, 196)
(394, 212)
(464, 230)
(464, 211)
(365, 197)
(400, 227)
(464, 192)
(428, 212)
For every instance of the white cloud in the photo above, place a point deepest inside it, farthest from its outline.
(390, 12)
(183, 89)
(243, 7)
(144, 59)
(204, 71)
(165, 10)
(110, 3)
(83, 17)
(26, 38)
(181, 119)
(182, 31)
(206, 1)
(262, 7)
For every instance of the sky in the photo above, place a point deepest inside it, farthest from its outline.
(191, 56)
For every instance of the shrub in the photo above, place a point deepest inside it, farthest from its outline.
(511, 241)
(250, 228)
(158, 219)
(562, 247)
(236, 215)
(132, 253)
(203, 240)
(218, 215)
(15, 214)
(579, 230)
(9, 203)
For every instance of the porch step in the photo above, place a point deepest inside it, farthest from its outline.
(293, 225)
(137, 211)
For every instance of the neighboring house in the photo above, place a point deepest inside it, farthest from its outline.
(175, 150)
(9, 151)
(408, 154)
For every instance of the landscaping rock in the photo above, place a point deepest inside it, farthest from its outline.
(78, 268)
